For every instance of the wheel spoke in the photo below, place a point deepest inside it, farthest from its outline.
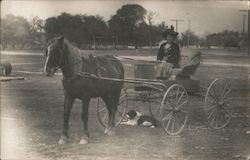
(225, 113)
(209, 108)
(180, 98)
(222, 89)
(171, 104)
(121, 101)
(222, 84)
(172, 129)
(104, 117)
(226, 94)
(179, 106)
(210, 94)
(179, 118)
(212, 112)
(217, 118)
(228, 99)
(102, 109)
(177, 93)
(212, 122)
(168, 123)
(167, 116)
(211, 101)
(215, 94)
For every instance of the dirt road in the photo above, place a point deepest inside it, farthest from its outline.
(31, 120)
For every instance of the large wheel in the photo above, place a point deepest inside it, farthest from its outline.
(102, 112)
(143, 96)
(217, 100)
(173, 114)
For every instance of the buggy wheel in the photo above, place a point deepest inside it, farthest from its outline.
(102, 112)
(173, 114)
(217, 100)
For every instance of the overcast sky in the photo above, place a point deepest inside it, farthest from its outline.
(206, 16)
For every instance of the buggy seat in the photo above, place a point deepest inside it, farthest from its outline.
(189, 62)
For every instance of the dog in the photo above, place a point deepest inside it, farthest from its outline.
(135, 118)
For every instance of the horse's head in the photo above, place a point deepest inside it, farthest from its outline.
(55, 56)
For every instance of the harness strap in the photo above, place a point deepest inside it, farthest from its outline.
(87, 74)
(69, 79)
(98, 70)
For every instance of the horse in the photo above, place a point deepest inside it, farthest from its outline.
(78, 82)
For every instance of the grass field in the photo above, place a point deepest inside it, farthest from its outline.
(32, 114)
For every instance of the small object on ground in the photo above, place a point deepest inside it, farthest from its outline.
(247, 132)
(226, 139)
(9, 78)
(135, 118)
(201, 148)
(237, 156)
(248, 157)
(5, 68)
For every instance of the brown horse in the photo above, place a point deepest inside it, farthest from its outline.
(78, 82)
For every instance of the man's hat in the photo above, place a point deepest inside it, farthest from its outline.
(169, 31)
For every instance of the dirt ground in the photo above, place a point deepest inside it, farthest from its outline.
(32, 116)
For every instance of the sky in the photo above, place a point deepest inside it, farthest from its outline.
(206, 16)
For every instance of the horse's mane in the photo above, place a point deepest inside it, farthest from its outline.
(75, 51)
(74, 56)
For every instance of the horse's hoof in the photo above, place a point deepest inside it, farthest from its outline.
(63, 140)
(109, 132)
(84, 140)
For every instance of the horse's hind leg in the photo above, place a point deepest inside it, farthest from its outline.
(85, 112)
(111, 102)
(68, 103)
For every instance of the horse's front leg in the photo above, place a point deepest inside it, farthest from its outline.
(68, 103)
(85, 113)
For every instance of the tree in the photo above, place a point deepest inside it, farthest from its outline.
(14, 30)
(95, 28)
(150, 17)
(80, 29)
(126, 22)
(65, 24)
(189, 36)
(37, 32)
(225, 39)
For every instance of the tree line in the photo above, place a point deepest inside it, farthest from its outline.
(127, 27)
(131, 25)
(17, 32)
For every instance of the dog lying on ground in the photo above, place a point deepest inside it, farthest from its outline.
(135, 118)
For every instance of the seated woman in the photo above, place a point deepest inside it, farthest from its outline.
(169, 53)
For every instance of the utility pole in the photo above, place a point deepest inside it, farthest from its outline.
(188, 36)
(243, 29)
(176, 23)
(248, 28)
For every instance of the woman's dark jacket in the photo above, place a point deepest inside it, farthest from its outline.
(170, 55)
